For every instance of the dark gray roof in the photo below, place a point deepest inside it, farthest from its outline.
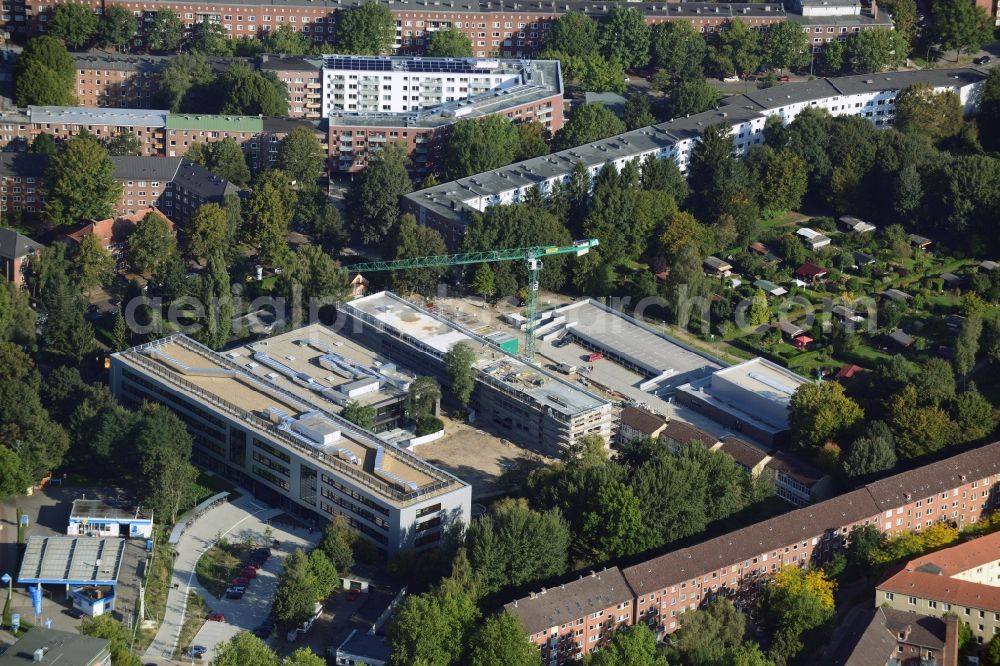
(901, 337)
(873, 636)
(286, 125)
(552, 607)
(146, 168)
(366, 646)
(63, 647)
(23, 164)
(119, 62)
(14, 245)
(201, 182)
(297, 63)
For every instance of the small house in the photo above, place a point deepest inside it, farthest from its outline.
(717, 267)
(922, 243)
(814, 240)
(769, 288)
(849, 371)
(802, 342)
(358, 285)
(762, 250)
(863, 259)
(846, 314)
(850, 223)
(636, 423)
(789, 329)
(951, 281)
(988, 266)
(954, 321)
(900, 339)
(811, 273)
(113, 233)
(16, 250)
(897, 295)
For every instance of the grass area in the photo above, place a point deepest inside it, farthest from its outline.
(219, 564)
(194, 618)
(157, 587)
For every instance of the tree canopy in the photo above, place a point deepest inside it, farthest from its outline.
(450, 43)
(369, 29)
(45, 73)
(80, 183)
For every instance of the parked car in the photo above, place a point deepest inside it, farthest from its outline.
(215, 617)
(235, 592)
(196, 651)
(352, 595)
(239, 580)
(982, 60)
(784, 78)
(248, 572)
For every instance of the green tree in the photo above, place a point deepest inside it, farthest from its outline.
(685, 284)
(959, 26)
(919, 430)
(321, 279)
(208, 230)
(874, 50)
(623, 35)
(869, 455)
(295, 596)
(574, 34)
(422, 398)
(821, 411)
(116, 27)
(14, 479)
(588, 123)
(253, 93)
(93, 265)
(360, 415)
(636, 112)
(321, 218)
(44, 144)
(500, 641)
(483, 283)
(967, 344)
(975, 414)
(268, 215)
(151, 244)
(302, 657)
(692, 96)
(119, 334)
(781, 177)
(80, 183)
(73, 23)
(935, 383)
(450, 43)
(324, 575)
(17, 318)
(678, 49)
(991, 655)
(736, 50)
(164, 447)
(722, 183)
(796, 602)
(287, 41)
(988, 120)
(613, 524)
(336, 544)
(45, 73)
(633, 646)
(833, 57)
(478, 145)
(244, 649)
(706, 635)
(185, 82)
(592, 72)
(373, 200)
(458, 362)
(119, 637)
(514, 545)
(748, 654)
(66, 332)
(217, 299)
(922, 110)
(416, 240)
(759, 313)
(209, 38)
(431, 629)
(786, 46)
(301, 156)
(369, 29)
(165, 31)
(122, 144)
(225, 159)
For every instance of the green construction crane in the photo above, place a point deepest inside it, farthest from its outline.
(532, 257)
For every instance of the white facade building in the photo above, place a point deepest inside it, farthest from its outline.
(384, 84)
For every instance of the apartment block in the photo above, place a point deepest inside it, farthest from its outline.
(279, 439)
(963, 580)
(118, 80)
(303, 77)
(521, 401)
(958, 490)
(448, 207)
(370, 101)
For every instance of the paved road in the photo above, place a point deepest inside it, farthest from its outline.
(234, 520)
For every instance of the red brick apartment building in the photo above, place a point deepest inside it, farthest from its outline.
(959, 489)
(507, 28)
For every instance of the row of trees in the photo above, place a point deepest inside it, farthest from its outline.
(244, 649)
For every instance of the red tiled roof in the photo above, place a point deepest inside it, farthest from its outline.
(849, 371)
(962, 557)
(810, 270)
(944, 590)
(115, 228)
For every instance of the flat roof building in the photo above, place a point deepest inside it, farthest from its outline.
(523, 401)
(751, 398)
(281, 441)
(69, 560)
(49, 646)
(96, 518)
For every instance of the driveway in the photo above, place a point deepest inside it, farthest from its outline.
(236, 521)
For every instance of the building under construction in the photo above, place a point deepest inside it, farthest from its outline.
(518, 400)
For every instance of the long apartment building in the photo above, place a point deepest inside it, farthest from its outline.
(269, 426)
(370, 101)
(507, 28)
(521, 401)
(572, 619)
(447, 207)
(175, 186)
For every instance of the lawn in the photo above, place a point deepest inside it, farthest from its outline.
(157, 587)
(194, 618)
(219, 564)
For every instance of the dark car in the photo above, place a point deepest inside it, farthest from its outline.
(982, 60)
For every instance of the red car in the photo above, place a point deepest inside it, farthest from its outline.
(248, 572)
(240, 581)
(595, 356)
(215, 617)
